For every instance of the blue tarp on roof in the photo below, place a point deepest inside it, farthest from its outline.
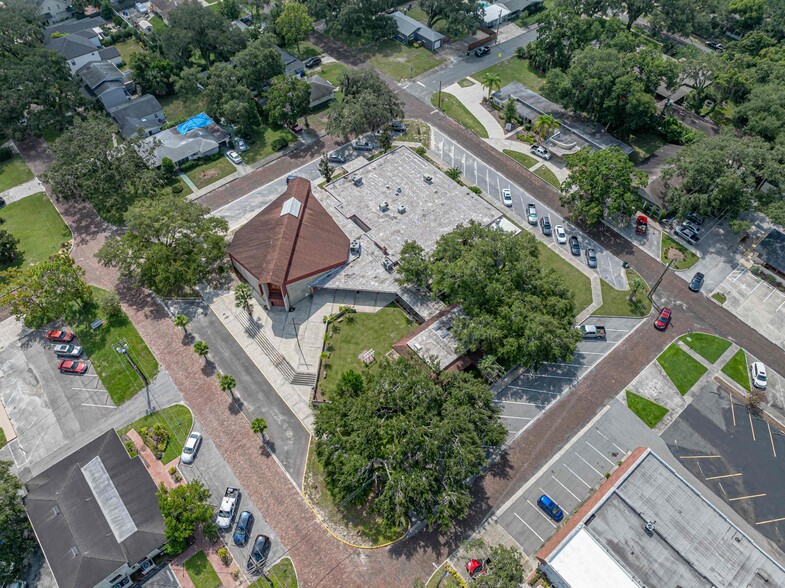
(195, 122)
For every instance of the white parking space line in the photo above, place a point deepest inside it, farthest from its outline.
(566, 364)
(515, 402)
(535, 389)
(565, 487)
(751, 293)
(557, 377)
(601, 453)
(590, 352)
(506, 416)
(530, 529)
(542, 514)
(780, 306)
(769, 294)
(599, 473)
(613, 274)
(577, 476)
(740, 274)
(98, 405)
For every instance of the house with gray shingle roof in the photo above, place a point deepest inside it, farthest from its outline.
(410, 30)
(144, 113)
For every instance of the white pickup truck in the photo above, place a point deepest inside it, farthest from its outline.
(228, 508)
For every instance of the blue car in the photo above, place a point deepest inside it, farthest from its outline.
(550, 507)
(243, 529)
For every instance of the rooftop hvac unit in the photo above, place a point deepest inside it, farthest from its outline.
(398, 190)
(428, 179)
(357, 181)
(388, 264)
(384, 206)
(401, 208)
(354, 246)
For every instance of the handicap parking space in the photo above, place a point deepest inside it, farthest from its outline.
(568, 482)
(528, 395)
(737, 454)
(756, 303)
(476, 172)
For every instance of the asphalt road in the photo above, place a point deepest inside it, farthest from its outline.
(287, 438)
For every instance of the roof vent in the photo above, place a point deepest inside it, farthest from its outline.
(74, 551)
(388, 264)
(428, 179)
(55, 510)
(384, 206)
(354, 246)
(398, 190)
(401, 208)
(649, 527)
(357, 181)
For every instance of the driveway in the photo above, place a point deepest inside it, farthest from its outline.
(530, 394)
(211, 469)
(477, 172)
(287, 438)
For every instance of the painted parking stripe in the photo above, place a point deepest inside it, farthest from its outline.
(699, 457)
(780, 306)
(770, 521)
(515, 402)
(771, 438)
(732, 409)
(752, 427)
(724, 476)
(98, 405)
(530, 529)
(577, 476)
(506, 416)
(565, 487)
(601, 453)
(769, 294)
(746, 497)
(535, 389)
(556, 377)
(542, 514)
(612, 443)
(599, 473)
(591, 352)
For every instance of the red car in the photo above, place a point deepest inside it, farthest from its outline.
(663, 320)
(68, 366)
(477, 568)
(642, 225)
(296, 128)
(60, 336)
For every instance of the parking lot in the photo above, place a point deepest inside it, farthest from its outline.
(529, 395)
(756, 303)
(573, 476)
(738, 455)
(650, 242)
(477, 173)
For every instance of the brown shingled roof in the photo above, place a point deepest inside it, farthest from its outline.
(282, 248)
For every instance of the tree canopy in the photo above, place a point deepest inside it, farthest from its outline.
(293, 23)
(184, 508)
(505, 569)
(407, 439)
(288, 99)
(460, 16)
(170, 244)
(17, 537)
(193, 27)
(601, 184)
(513, 309)
(363, 20)
(368, 104)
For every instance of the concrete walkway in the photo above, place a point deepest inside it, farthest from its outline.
(159, 472)
(211, 551)
(471, 98)
(512, 144)
(18, 192)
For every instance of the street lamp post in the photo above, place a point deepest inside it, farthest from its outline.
(121, 347)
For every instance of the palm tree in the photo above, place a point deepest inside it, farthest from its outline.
(259, 426)
(227, 383)
(243, 297)
(201, 348)
(453, 173)
(181, 321)
(544, 125)
(491, 81)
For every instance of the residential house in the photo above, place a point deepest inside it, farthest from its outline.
(144, 113)
(411, 30)
(89, 28)
(77, 50)
(515, 7)
(197, 137)
(163, 7)
(322, 91)
(79, 42)
(287, 246)
(291, 65)
(495, 14)
(575, 131)
(53, 10)
(105, 83)
(770, 252)
(95, 514)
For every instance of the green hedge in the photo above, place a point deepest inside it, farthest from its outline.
(6, 153)
(194, 163)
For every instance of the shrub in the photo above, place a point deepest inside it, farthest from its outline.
(324, 355)
(279, 143)
(235, 574)
(156, 438)
(172, 470)
(110, 305)
(6, 153)
(421, 151)
(223, 553)
(675, 132)
(475, 189)
(130, 448)
(755, 270)
(177, 189)
(210, 531)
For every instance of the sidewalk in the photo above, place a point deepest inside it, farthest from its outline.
(471, 98)
(211, 551)
(159, 472)
(18, 192)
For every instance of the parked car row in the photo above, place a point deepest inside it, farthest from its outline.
(67, 352)
(243, 529)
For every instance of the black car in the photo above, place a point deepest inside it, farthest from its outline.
(313, 62)
(258, 557)
(575, 245)
(695, 219)
(591, 258)
(243, 528)
(714, 45)
(480, 51)
(246, 20)
(697, 282)
(545, 225)
(336, 158)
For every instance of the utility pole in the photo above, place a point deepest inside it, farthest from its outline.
(657, 284)
(440, 94)
(121, 347)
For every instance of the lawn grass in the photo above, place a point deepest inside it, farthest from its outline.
(207, 173)
(444, 578)
(416, 132)
(176, 419)
(359, 332)
(525, 160)
(332, 71)
(201, 572)
(720, 297)
(453, 108)
(574, 278)
(282, 575)
(682, 369)
(645, 144)
(180, 108)
(514, 70)
(127, 48)
(354, 517)
(400, 61)
(536, 16)
(14, 172)
(736, 369)
(708, 347)
(259, 144)
(689, 260)
(440, 26)
(116, 374)
(186, 189)
(465, 83)
(649, 412)
(158, 23)
(546, 174)
(36, 223)
(306, 51)
(617, 302)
